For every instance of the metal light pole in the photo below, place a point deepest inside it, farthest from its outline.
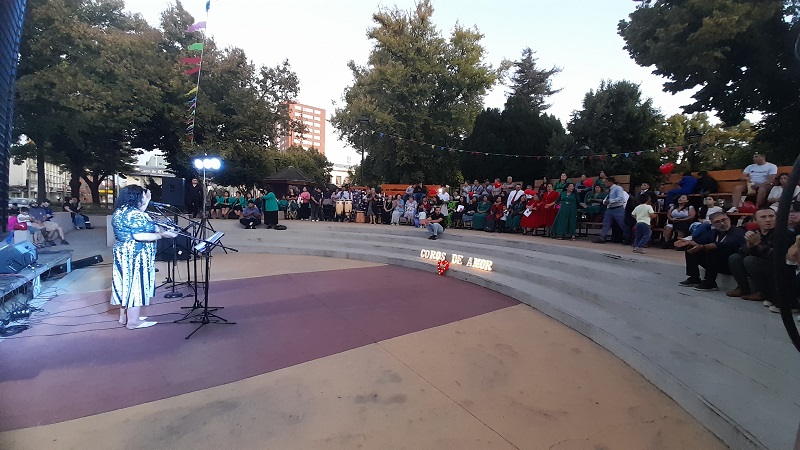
(361, 122)
(581, 150)
(694, 138)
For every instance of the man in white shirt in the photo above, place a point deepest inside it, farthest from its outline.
(615, 211)
(444, 195)
(515, 195)
(759, 178)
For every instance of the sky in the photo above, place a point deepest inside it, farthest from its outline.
(319, 37)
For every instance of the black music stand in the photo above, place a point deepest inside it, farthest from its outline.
(207, 315)
(172, 223)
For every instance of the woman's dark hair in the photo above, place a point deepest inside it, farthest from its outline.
(688, 173)
(130, 196)
(568, 185)
(644, 198)
(702, 173)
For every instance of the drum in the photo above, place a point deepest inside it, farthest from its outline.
(339, 207)
(360, 217)
(348, 207)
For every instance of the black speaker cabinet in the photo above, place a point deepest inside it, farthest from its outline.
(164, 250)
(14, 258)
(173, 191)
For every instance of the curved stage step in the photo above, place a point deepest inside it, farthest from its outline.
(727, 362)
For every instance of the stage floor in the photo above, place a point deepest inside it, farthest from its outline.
(326, 353)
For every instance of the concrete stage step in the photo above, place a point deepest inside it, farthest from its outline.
(727, 362)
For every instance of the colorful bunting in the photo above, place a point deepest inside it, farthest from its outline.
(191, 60)
(197, 26)
(193, 91)
(194, 69)
(198, 46)
(208, 5)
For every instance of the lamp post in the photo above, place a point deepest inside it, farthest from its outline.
(581, 150)
(362, 121)
(205, 163)
(694, 138)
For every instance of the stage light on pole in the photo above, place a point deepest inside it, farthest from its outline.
(206, 163)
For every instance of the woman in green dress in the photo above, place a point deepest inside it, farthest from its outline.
(593, 203)
(567, 218)
(562, 183)
(601, 180)
(479, 219)
(515, 214)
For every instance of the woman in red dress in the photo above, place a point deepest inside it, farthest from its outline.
(533, 218)
(550, 211)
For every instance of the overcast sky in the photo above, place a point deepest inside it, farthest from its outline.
(320, 36)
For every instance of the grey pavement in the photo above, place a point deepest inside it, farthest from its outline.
(727, 362)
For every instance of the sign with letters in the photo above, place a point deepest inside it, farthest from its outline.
(456, 259)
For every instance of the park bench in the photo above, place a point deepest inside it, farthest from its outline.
(394, 189)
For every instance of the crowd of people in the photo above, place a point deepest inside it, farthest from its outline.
(38, 220)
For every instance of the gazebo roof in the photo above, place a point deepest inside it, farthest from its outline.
(290, 175)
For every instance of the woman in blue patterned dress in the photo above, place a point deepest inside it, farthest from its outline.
(133, 277)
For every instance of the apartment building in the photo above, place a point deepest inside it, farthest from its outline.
(314, 120)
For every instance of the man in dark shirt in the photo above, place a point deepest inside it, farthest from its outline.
(753, 261)
(316, 203)
(251, 216)
(194, 197)
(435, 223)
(712, 250)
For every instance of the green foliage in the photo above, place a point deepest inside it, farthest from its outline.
(311, 162)
(738, 55)
(719, 147)
(531, 86)
(83, 85)
(417, 85)
(615, 120)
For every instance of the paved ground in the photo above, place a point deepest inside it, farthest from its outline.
(328, 353)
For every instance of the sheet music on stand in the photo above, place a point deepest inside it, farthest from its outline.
(209, 244)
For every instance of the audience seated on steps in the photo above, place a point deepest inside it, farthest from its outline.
(711, 248)
(759, 178)
(79, 220)
(40, 219)
(752, 266)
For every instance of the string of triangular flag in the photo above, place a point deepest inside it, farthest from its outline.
(197, 65)
(452, 150)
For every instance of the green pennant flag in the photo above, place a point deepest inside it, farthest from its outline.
(196, 46)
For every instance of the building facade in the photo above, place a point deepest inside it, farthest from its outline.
(340, 174)
(313, 119)
(23, 181)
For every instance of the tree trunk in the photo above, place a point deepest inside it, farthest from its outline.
(94, 186)
(40, 176)
(75, 185)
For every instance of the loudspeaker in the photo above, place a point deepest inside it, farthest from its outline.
(173, 191)
(164, 249)
(79, 264)
(14, 258)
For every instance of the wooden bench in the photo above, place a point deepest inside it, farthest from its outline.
(394, 189)
(726, 179)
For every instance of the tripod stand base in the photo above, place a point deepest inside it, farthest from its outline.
(208, 317)
(173, 295)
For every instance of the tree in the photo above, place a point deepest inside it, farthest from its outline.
(718, 147)
(738, 55)
(83, 87)
(616, 120)
(531, 86)
(419, 86)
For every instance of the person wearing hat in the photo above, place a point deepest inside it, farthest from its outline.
(759, 178)
(251, 215)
